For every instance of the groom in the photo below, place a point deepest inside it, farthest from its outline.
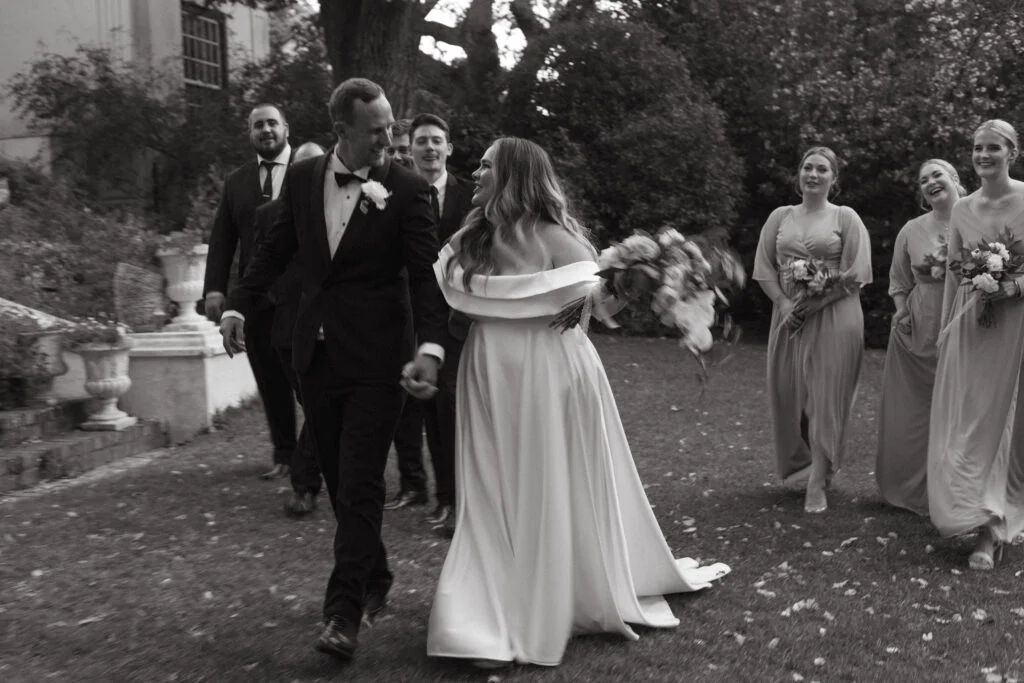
(353, 220)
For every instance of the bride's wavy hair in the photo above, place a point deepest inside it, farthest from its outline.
(527, 192)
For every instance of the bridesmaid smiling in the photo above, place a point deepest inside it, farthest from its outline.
(915, 284)
(816, 341)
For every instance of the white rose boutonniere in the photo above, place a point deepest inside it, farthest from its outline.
(373, 192)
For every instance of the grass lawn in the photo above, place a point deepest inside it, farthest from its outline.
(185, 569)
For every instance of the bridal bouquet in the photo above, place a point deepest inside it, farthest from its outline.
(934, 264)
(682, 282)
(985, 265)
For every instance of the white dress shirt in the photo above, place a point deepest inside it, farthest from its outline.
(340, 202)
(277, 170)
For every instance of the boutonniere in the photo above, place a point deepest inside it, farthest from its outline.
(373, 192)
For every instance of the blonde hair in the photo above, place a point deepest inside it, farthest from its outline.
(950, 171)
(527, 193)
(1002, 129)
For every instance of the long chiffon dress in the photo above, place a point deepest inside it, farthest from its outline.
(901, 463)
(554, 534)
(813, 373)
(976, 442)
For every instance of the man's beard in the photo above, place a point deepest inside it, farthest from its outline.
(273, 152)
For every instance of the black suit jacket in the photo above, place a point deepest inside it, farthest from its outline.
(287, 289)
(234, 227)
(458, 194)
(358, 295)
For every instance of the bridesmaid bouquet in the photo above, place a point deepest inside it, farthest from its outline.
(812, 277)
(984, 265)
(934, 264)
(682, 282)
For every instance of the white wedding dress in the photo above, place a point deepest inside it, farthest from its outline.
(554, 534)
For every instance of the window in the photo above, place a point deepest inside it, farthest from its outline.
(203, 47)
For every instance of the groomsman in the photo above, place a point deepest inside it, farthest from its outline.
(246, 188)
(451, 201)
(285, 294)
(408, 441)
(400, 143)
(354, 221)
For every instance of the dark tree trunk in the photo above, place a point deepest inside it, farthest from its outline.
(376, 40)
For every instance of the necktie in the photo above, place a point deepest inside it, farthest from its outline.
(344, 179)
(268, 182)
(435, 204)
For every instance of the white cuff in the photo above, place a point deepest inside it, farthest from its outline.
(435, 350)
(232, 314)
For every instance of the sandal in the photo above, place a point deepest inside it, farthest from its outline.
(984, 556)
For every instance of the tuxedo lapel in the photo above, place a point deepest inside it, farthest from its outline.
(450, 213)
(317, 206)
(359, 218)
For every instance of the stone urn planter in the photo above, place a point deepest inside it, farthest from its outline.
(106, 380)
(185, 269)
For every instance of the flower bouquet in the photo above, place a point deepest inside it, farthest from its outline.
(683, 284)
(985, 265)
(812, 277)
(934, 264)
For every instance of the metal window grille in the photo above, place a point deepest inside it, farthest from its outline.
(203, 50)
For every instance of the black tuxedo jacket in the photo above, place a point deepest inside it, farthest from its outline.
(234, 227)
(359, 295)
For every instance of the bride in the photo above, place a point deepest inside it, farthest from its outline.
(554, 535)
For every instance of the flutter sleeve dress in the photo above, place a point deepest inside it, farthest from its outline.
(554, 533)
(901, 463)
(976, 442)
(813, 373)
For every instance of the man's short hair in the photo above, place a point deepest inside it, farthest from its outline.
(429, 120)
(343, 100)
(263, 105)
(401, 127)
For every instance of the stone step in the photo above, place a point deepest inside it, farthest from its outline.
(71, 453)
(41, 422)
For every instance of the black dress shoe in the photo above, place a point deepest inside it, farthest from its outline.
(300, 505)
(406, 498)
(338, 639)
(441, 514)
(373, 605)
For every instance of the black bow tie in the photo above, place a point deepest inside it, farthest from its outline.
(344, 179)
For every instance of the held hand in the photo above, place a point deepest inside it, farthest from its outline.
(214, 305)
(901, 321)
(1007, 290)
(419, 377)
(231, 329)
(790, 318)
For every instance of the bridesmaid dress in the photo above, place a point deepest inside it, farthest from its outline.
(813, 373)
(976, 441)
(554, 534)
(901, 463)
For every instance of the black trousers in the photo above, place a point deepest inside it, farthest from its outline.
(305, 471)
(409, 446)
(438, 416)
(351, 424)
(272, 384)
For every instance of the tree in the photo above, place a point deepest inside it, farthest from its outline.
(647, 144)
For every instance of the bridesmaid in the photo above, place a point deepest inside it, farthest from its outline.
(816, 343)
(915, 284)
(976, 441)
